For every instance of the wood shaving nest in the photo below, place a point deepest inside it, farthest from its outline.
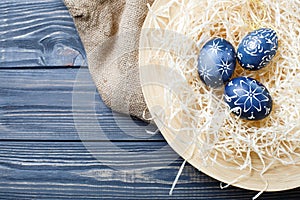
(215, 131)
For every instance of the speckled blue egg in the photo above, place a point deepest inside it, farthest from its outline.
(257, 49)
(216, 62)
(248, 98)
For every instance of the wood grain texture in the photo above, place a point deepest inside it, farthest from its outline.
(41, 105)
(68, 171)
(38, 33)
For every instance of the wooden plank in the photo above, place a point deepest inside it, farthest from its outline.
(54, 104)
(38, 33)
(68, 171)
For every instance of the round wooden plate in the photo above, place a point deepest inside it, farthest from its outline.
(154, 75)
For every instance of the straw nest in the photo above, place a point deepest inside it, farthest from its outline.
(181, 28)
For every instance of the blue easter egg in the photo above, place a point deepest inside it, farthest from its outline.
(216, 62)
(248, 98)
(257, 49)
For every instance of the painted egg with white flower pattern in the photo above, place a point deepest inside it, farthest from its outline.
(216, 62)
(248, 98)
(257, 49)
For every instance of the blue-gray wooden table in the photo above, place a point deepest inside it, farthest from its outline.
(57, 138)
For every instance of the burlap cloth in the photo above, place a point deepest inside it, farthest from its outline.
(109, 30)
